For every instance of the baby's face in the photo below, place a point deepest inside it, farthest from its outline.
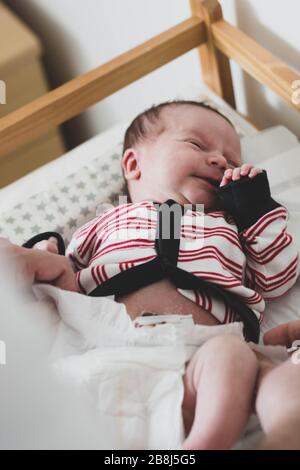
(187, 160)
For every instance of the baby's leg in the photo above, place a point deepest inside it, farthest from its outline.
(278, 405)
(219, 384)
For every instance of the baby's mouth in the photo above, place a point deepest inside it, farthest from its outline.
(210, 181)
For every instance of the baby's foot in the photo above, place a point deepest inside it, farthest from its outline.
(49, 245)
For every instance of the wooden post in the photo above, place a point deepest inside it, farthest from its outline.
(215, 65)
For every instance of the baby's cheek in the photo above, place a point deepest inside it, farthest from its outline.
(187, 167)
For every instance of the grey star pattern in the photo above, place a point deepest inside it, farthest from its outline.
(91, 197)
(67, 204)
(115, 176)
(72, 223)
(62, 210)
(49, 217)
(41, 206)
(84, 211)
(65, 190)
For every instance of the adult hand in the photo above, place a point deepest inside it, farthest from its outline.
(50, 245)
(284, 334)
(30, 266)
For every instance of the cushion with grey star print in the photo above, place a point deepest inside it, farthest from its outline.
(69, 203)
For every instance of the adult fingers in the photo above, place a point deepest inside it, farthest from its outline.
(283, 334)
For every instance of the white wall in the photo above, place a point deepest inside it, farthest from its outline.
(81, 34)
(275, 25)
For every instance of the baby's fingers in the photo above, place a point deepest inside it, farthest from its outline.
(246, 169)
(254, 172)
(226, 177)
(236, 174)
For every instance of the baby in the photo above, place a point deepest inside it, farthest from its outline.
(184, 152)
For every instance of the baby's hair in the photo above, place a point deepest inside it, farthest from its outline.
(145, 124)
(148, 124)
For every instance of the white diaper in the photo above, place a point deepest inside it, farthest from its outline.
(132, 369)
(193, 336)
(183, 330)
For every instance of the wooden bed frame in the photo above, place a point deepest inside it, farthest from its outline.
(217, 42)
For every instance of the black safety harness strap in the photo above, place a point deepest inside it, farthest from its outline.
(45, 236)
(165, 266)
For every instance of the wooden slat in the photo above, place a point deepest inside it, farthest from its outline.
(68, 100)
(215, 66)
(255, 60)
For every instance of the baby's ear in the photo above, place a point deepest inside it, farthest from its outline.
(130, 164)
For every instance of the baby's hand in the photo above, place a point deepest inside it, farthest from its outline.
(49, 245)
(235, 174)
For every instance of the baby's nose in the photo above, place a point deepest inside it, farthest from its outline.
(218, 160)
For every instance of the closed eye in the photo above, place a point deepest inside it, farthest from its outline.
(197, 144)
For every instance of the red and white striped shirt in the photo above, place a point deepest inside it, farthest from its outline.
(259, 263)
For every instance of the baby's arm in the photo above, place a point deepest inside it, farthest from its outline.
(272, 256)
